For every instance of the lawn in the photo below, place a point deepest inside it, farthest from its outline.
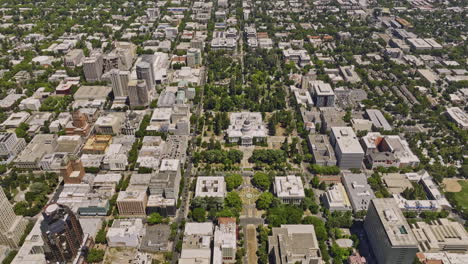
(462, 196)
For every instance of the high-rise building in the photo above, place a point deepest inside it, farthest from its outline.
(119, 80)
(11, 226)
(93, 67)
(322, 93)
(144, 71)
(390, 236)
(138, 93)
(79, 124)
(193, 57)
(126, 52)
(348, 150)
(62, 234)
(112, 61)
(72, 171)
(10, 144)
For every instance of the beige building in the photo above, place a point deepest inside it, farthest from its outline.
(11, 226)
(290, 244)
(441, 235)
(132, 202)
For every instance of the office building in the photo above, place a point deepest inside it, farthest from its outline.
(194, 58)
(388, 151)
(12, 226)
(138, 94)
(323, 152)
(459, 116)
(225, 241)
(79, 125)
(145, 71)
(349, 74)
(389, 235)
(32, 250)
(300, 57)
(290, 244)
(289, 189)
(73, 171)
(109, 123)
(164, 188)
(359, 191)
(93, 67)
(126, 52)
(73, 58)
(378, 120)
(210, 186)
(336, 199)
(331, 117)
(11, 145)
(196, 244)
(62, 234)
(132, 202)
(442, 258)
(322, 93)
(125, 233)
(441, 235)
(246, 128)
(349, 153)
(39, 146)
(14, 120)
(119, 80)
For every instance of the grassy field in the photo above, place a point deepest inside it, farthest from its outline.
(462, 196)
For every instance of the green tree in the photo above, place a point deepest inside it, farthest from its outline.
(199, 214)
(22, 130)
(264, 200)
(319, 227)
(315, 181)
(101, 234)
(155, 218)
(233, 181)
(233, 200)
(95, 255)
(262, 181)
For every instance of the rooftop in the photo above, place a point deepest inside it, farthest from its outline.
(393, 221)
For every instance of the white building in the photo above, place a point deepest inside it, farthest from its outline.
(336, 199)
(349, 153)
(196, 245)
(300, 57)
(10, 144)
(458, 116)
(211, 186)
(30, 103)
(125, 233)
(246, 128)
(289, 189)
(15, 119)
(225, 241)
(109, 124)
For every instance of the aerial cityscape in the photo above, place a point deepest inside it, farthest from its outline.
(234, 132)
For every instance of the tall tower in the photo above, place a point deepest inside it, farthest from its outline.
(138, 93)
(145, 72)
(92, 67)
(119, 80)
(11, 226)
(62, 233)
(72, 170)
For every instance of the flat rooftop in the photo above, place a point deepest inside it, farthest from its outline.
(393, 221)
